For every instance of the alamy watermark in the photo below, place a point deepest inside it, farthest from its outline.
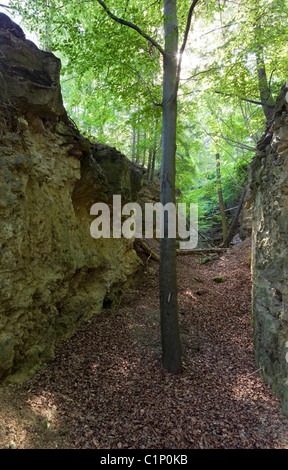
(130, 221)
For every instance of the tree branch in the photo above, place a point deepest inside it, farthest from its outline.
(213, 137)
(239, 144)
(220, 27)
(143, 81)
(140, 78)
(182, 48)
(246, 121)
(146, 248)
(132, 26)
(188, 25)
(195, 252)
(246, 99)
(199, 73)
(200, 251)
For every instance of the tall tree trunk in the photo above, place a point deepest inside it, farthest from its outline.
(138, 146)
(263, 85)
(154, 152)
(171, 346)
(150, 155)
(235, 219)
(48, 32)
(170, 336)
(133, 144)
(151, 176)
(264, 90)
(220, 196)
(144, 149)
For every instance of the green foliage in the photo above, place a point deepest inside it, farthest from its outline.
(112, 83)
(105, 65)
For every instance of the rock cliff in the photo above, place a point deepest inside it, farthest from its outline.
(53, 274)
(269, 209)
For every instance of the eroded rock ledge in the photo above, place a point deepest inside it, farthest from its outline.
(269, 199)
(53, 274)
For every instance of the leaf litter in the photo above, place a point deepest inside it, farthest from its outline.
(106, 388)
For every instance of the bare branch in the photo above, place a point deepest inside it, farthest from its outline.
(246, 121)
(271, 75)
(144, 83)
(188, 25)
(239, 144)
(199, 73)
(187, 29)
(140, 78)
(151, 5)
(220, 27)
(132, 26)
(246, 99)
(200, 251)
(135, 71)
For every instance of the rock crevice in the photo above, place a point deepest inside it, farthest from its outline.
(269, 209)
(53, 274)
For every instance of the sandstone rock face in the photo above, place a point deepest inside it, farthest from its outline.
(269, 199)
(53, 274)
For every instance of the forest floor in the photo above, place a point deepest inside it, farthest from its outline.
(106, 388)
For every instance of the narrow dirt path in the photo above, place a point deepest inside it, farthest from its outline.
(106, 388)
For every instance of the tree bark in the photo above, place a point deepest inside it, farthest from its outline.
(171, 345)
(144, 149)
(149, 163)
(133, 144)
(47, 41)
(200, 251)
(234, 224)
(151, 151)
(154, 152)
(170, 335)
(147, 249)
(195, 252)
(220, 196)
(138, 146)
(263, 86)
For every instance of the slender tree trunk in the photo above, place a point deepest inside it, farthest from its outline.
(171, 347)
(263, 85)
(144, 149)
(138, 146)
(236, 219)
(48, 33)
(220, 196)
(133, 144)
(154, 152)
(151, 176)
(150, 155)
